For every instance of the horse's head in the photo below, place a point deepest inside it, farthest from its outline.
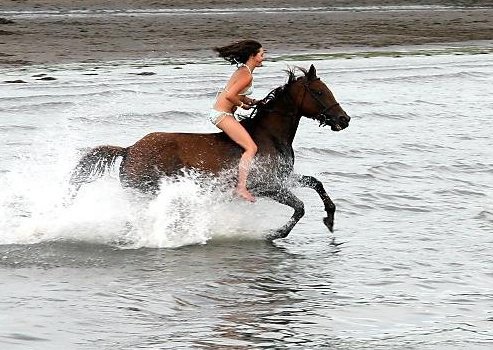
(314, 100)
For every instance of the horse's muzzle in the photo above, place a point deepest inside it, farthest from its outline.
(336, 122)
(342, 122)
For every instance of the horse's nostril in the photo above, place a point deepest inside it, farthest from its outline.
(346, 118)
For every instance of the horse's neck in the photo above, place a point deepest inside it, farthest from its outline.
(281, 123)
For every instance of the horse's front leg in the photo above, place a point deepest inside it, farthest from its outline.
(286, 197)
(330, 208)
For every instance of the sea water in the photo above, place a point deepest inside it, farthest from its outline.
(411, 178)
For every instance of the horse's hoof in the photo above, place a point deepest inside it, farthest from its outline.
(329, 223)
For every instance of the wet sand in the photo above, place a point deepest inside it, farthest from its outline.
(47, 32)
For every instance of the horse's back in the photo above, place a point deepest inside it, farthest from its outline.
(183, 145)
(161, 154)
(179, 137)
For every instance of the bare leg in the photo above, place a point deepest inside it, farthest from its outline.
(238, 134)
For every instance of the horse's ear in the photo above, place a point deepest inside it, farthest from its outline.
(312, 73)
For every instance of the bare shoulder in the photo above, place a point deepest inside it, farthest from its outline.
(240, 77)
(243, 74)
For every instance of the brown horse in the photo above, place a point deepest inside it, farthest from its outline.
(272, 125)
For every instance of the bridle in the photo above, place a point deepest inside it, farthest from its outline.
(323, 116)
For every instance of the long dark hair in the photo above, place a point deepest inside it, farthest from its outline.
(239, 52)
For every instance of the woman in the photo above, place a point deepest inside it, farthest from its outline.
(247, 55)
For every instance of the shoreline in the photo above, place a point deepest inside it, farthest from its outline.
(103, 31)
(146, 67)
(397, 51)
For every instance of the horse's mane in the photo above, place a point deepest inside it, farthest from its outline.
(265, 105)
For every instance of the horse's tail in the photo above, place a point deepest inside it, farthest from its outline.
(94, 164)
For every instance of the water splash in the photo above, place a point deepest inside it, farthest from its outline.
(188, 210)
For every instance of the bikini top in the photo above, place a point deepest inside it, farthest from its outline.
(249, 89)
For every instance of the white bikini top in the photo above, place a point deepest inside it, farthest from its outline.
(249, 89)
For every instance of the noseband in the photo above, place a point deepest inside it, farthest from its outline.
(323, 116)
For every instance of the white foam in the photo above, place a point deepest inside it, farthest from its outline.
(185, 211)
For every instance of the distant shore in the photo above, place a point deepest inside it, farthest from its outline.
(50, 32)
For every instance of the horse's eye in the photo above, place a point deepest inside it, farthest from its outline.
(319, 93)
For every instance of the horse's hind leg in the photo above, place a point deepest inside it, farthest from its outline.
(286, 197)
(137, 175)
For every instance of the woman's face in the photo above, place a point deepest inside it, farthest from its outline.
(259, 57)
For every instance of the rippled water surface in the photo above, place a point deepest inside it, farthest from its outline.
(411, 178)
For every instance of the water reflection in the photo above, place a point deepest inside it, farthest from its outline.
(257, 298)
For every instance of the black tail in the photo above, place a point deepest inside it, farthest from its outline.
(94, 164)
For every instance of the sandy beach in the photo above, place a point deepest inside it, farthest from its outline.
(52, 31)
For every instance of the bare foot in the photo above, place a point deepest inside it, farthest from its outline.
(243, 193)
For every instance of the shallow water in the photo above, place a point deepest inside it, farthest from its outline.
(411, 177)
